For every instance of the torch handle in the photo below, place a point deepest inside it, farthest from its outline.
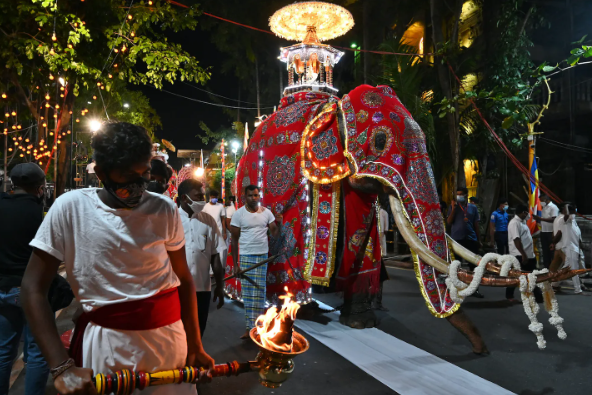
(124, 382)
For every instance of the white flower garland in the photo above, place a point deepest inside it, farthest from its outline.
(459, 291)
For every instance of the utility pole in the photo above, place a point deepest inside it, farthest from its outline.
(257, 82)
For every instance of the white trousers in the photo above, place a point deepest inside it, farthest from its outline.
(572, 260)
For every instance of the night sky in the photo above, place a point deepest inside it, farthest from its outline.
(180, 117)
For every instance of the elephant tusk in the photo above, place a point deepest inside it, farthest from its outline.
(415, 244)
(462, 252)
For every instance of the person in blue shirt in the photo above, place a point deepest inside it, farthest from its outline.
(498, 227)
(463, 219)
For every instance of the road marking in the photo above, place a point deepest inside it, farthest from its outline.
(402, 367)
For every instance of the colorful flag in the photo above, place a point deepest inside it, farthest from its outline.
(535, 201)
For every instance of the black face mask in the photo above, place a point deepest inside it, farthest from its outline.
(130, 193)
(157, 187)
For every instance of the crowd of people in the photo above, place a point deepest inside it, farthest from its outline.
(141, 265)
(560, 236)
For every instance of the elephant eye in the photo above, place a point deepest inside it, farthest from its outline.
(380, 141)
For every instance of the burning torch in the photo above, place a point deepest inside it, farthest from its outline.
(278, 345)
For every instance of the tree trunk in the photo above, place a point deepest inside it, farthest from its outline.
(444, 78)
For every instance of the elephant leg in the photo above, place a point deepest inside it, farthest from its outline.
(461, 321)
(357, 313)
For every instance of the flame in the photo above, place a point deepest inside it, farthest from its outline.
(269, 325)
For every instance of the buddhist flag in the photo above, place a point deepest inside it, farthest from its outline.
(535, 201)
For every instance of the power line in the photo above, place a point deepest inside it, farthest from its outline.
(214, 94)
(211, 104)
(565, 146)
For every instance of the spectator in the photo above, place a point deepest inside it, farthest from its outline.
(568, 239)
(201, 246)
(217, 211)
(22, 214)
(521, 246)
(498, 227)
(463, 218)
(550, 212)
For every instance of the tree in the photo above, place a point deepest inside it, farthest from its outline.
(89, 55)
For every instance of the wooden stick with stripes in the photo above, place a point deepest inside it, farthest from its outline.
(124, 382)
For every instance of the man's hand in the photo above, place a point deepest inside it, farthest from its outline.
(453, 203)
(236, 268)
(536, 217)
(219, 294)
(200, 359)
(524, 259)
(552, 247)
(75, 381)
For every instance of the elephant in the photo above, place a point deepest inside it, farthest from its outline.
(320, 163)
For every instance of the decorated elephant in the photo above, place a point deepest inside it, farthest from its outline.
(320, 163)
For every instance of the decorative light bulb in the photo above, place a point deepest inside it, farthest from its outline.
(130, 17)
(53, 37)
(13, 113)
(51, 77)
(51, 52)
(4, 95)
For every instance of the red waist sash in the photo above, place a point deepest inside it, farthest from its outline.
(154, 312)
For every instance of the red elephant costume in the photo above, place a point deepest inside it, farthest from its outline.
(301, 157)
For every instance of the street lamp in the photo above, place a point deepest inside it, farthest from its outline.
(235, 146)
(94, 125)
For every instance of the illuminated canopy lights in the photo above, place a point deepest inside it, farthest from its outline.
(292, 22)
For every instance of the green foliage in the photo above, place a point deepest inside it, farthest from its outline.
(95, 44)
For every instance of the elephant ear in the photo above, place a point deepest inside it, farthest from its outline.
(321, 148)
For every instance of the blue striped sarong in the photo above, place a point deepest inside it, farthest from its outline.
(253, 298)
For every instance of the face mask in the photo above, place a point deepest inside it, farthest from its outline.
(129, 194)
(543, 204)
(196, 207)
(460, 199)
(214, 200)
(572, 217)
(506, 207)
(156, 187)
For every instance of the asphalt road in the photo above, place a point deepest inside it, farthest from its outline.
(515, 363)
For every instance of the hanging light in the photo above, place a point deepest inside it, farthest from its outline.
(4, 96)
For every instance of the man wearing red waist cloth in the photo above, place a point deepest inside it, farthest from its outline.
(124, 251)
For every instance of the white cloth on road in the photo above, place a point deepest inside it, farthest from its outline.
(114, 256)
(253, 226)
(517, 229)
(202, 240)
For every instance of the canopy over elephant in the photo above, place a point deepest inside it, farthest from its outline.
(320, 163)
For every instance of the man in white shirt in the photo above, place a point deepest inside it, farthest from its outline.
(202, 241)
(249, 232)
(550, 212)
(92, 177)
(217, 211)
(124, 252)
(521, 246)
(568, 239)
